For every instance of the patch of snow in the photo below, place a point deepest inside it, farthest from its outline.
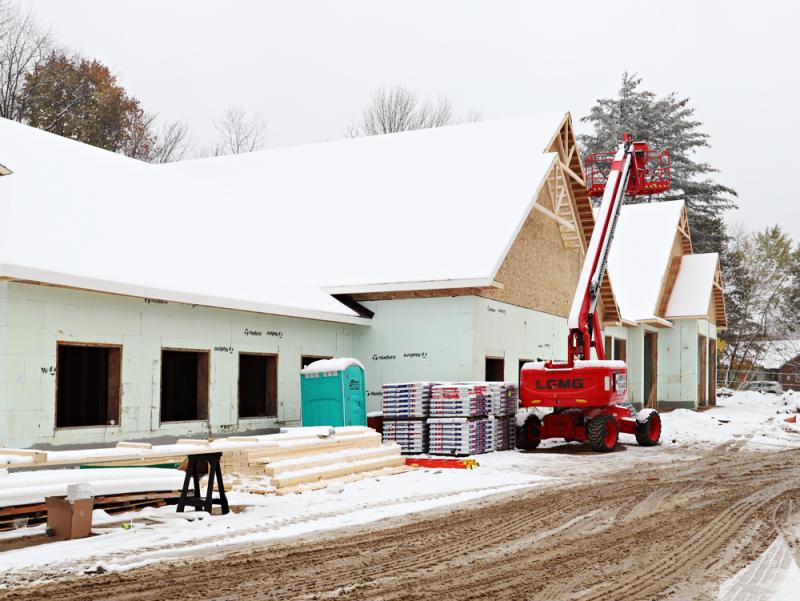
(331, 365)
(773, 576)
(642, 415)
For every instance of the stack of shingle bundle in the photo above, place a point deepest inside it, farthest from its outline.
(504, 409)
(460, 435)
(405, 407)
(459, 424)
(459, 400)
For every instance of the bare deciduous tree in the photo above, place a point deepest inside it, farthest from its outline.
(240, 133)
(173, 143)
(23, 44)
(396, 109)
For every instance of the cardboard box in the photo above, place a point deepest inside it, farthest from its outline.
(69, 519)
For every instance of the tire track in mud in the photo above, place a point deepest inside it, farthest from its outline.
(658, 532)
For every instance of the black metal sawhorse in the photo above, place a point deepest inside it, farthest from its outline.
(214, 471)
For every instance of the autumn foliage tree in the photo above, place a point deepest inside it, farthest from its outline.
(81, 99)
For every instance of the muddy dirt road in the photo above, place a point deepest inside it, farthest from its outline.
(664, 532)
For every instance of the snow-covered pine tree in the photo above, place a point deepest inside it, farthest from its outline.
(665, 122)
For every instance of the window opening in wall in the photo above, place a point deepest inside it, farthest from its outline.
(307, 360)
(184, 385)
(88, 383)
(495, 369)
(258, 385)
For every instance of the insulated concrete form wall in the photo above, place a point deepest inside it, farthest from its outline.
(514, 333)
(33, 319)
(415, 339)
(449, 338)
(678, 375)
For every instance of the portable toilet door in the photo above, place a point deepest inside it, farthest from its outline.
(355, 396)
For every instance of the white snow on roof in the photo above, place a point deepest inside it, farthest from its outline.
(440, 205)
(330, 365)
(640, 255)
(780, 352)
(79, 216)
(691, 293)
(266, 231)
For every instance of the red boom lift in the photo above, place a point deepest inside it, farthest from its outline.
(589, 396)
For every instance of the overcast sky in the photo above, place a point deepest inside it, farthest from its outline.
(310, 65)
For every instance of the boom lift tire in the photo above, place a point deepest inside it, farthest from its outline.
(530, 434)
(603, 433)
(648, 432)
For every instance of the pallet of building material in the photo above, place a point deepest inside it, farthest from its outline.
(410, 434)
(460, 436)
(505, 432)
(465, 400)
(410, 399)
(505, 398)
(335, 470)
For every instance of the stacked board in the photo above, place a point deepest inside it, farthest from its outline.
(306, 461)
(405, 408)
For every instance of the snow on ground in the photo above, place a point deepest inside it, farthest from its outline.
(753, 419)
(773, 576)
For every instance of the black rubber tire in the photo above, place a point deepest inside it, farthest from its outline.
(529, 434)
(598, 434)
(644, 430)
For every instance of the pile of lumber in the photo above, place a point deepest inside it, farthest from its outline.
(22, 495)
(304, 460)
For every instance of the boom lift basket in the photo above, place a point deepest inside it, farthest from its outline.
(650, 172)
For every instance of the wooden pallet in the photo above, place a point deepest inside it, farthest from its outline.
(29, 515)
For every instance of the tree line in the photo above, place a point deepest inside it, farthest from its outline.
(50, 88)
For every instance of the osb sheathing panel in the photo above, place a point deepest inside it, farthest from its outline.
(538, 272)
(371, 296)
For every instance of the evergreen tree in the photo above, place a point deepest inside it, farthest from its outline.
(665, 123)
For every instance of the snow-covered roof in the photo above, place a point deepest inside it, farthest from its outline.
(75, 215)
(640, 256)
(274, 231)
(691, 293)
(435, 208)
(780, 352)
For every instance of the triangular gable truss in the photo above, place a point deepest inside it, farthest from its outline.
(571, 206)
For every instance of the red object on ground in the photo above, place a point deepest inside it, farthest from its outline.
(792, 419)
(458, 464)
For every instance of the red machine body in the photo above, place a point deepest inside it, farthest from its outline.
(588, 394)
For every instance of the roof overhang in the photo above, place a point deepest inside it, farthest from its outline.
(656, 322)
(413, 286)
(29, 275)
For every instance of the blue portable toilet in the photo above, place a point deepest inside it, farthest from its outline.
(333, 393)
